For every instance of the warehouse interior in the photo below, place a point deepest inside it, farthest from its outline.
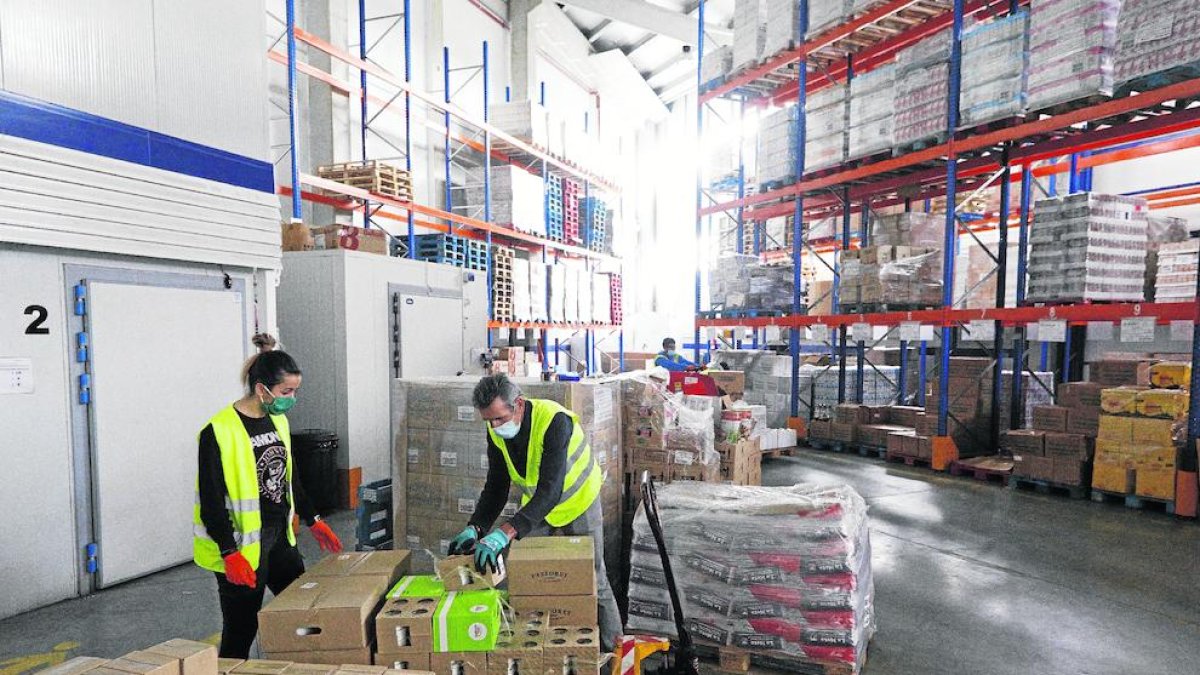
(881, 314)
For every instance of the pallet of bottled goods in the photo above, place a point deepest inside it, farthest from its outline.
(782, 574)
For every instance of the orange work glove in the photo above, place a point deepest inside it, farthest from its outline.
(325, 537)
(238, 570)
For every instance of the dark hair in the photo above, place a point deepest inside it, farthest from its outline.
(268, 368)
(492, 387)
(668, 341)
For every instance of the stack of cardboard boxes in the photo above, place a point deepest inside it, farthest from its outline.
(970, 406)
(922, 85)
(668, 436)
(1142, 427)
(901, 267)
(555, 576)
(328, 614)
(1058, 449)
(1072, 49)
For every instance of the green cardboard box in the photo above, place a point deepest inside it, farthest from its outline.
(418, 586)
(467, 621)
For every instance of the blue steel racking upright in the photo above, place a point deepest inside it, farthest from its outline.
(1088, 134)
(374, 206)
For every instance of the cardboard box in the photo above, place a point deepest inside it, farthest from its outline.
(195, 658)
(1068, 446)
(925, 447)
(458, 573)
(845, 433)
(1154, 431)
(518, 650)
(1171, 374)
(459, 663)
(1120, 400)
(851, 413)
(333, 657)
(145, 663)
(77, 666)
(1072, 472)
(310, 669)
(467, 621)
(1114, 428)
(819, 429)
(895, 442)
(1112, 478)
(226, 666)
(729, 381)
(568, 647)
(296, 237)
(563, 610)
(389, 564)
(404, 625)
(1051, 418)
(1024, 442)
(262, 667)
(1165, 403)
(1079, 394)
(322, 614)
(1155, 483)
(1116, 373)
(905, 415)
(1033, 466)
(412, 662)
(350, 239)
(418, 586)
(1084, 421)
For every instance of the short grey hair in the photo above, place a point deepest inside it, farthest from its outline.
(492, 387)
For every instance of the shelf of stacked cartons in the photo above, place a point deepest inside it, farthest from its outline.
(1031, 87)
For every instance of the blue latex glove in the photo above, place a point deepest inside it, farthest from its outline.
(465, 541)
(489, 549)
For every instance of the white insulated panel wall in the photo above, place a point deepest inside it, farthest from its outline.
(52, 196)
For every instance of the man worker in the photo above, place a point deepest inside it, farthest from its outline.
(672, 360)
(540, 446)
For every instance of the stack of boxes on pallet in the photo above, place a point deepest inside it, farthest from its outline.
(1088, 246)
(515, 362)
(714, 67)
(922, 87)
(1142, 427)
(517, 199)
(824, 14)
(826, 112)
(523, 119)
(554, 576)
(1167, 231)
(969, 421)
(741, 282)
(441, 460)
(901, 268)
(739, 447)
(995, 60)
(1156, 36)
(783, 27)
(1058, 449)
(669, 435)
(749, 33)
(1072, 44)
(502, 283)
(778, 137)
(872, 113)
(328, 614)
(1176, 278)
(782, 574)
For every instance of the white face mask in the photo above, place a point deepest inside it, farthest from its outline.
(508, 430)
(670, 352)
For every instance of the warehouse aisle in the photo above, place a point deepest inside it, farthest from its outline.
(975, 578)
(969, 578)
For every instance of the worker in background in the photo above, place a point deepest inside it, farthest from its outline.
(246, 498)
(559, 479)
(672, 360)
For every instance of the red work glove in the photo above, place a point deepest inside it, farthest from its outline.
(238, 570)
(325, 537)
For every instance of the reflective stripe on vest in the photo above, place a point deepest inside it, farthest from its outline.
(242, 498)
(583, 480)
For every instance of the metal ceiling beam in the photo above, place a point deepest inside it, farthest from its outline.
(595, 34)
(651, 17)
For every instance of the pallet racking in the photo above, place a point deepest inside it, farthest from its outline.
(1087, 134)
(464, 134)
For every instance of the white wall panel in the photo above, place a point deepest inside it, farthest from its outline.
(52, 196)
(211, 74)
(96, 56)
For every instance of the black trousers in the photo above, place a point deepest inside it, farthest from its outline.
(279, 565)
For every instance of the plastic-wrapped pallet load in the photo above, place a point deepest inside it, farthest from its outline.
(729, 281)
(825, 127)
(872, 112)
(558, 293)
(522, 305)
(922, 87)
(823, 14)
(716, 66)
(524, 119)
(1176, 280)
(770, 288)
(901, 268)
(782, 27)
(1088, 246)
(1155, 36)
(1072, 45)
(777, 140)
(783, 573)
(538, 291)
(994, 67)
(669, 435)
(1162, 230)
(749, 33)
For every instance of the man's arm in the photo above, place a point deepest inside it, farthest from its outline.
(551, 473)
(495, 491)
(667, 363)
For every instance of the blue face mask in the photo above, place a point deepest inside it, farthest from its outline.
(508, 430)
(671, 353)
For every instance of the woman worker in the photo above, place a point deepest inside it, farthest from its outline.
(246, 499)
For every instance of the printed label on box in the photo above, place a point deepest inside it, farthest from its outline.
(466, 413)
(1137, 329)
(981, 330)
(466, 506)
(603, 404)
(1052, 331)
(685, 457)
(910, 331)
(414, 456)
(448, 459)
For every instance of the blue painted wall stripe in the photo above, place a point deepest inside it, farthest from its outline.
(53, 124)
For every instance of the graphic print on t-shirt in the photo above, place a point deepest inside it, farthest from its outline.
(272, 466)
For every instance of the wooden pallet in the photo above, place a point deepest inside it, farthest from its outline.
(918, 145)
(1047, 487)
(372, 176)
(1163, 78)
(986, 469)
(873, 451)
(827, 444)
(779, 452)
(908, 460)
(1134, 501)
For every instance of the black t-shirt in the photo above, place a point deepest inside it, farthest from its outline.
(270, 458)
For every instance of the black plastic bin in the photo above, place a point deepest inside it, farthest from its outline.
(315, 452)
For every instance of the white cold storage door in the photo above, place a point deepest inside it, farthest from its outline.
(164, 360)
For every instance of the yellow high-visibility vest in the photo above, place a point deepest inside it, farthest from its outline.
(241, 482)
(583, 480)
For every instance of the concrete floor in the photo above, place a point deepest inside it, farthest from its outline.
(970, 578)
